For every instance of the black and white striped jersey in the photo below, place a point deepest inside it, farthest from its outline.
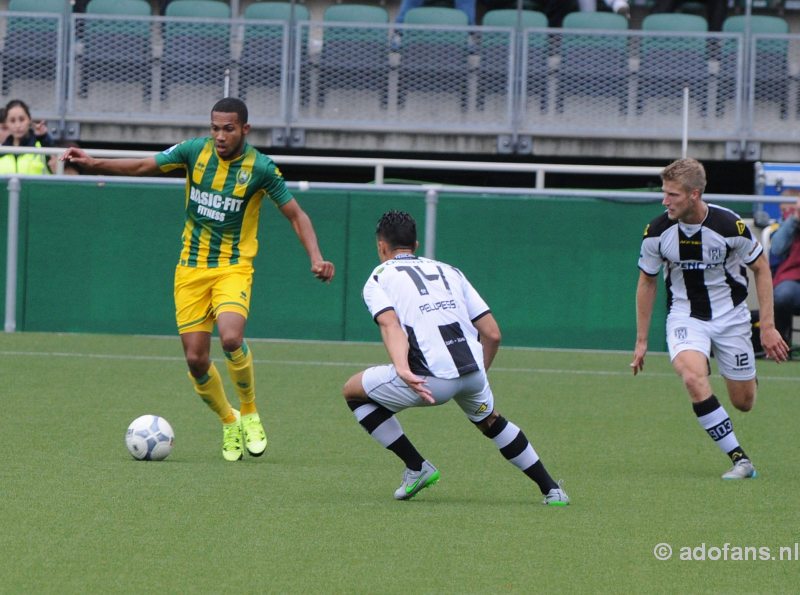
(436, 306)
(704, 263)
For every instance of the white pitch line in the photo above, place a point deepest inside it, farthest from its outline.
(163, 358)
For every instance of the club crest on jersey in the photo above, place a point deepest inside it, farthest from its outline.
(715, 254)
(740, 227)
(681, 333)
(243, 176)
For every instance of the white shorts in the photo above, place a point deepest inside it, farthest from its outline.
(471, 392)
(730, 335)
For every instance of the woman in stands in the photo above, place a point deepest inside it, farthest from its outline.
(24, 132)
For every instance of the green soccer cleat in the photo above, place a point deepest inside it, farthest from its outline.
(415, 481)
(255, 439)
(232, 439)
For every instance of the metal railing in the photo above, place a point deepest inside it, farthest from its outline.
(152, 71)
(430, 191)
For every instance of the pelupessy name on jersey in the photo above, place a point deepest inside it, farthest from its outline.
(213, 205)
(433, 306)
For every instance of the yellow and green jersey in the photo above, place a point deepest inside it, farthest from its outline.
(223, 201)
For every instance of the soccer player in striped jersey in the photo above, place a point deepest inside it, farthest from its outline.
(441, 338)
(226, 182)
(704, 249)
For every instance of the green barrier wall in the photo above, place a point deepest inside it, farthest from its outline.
(556, 272)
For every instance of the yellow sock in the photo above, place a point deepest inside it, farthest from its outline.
(240, 368)
(210, 389)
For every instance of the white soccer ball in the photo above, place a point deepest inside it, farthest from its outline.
(149, 438)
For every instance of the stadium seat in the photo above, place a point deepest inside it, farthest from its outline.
(31, 43)
(433, 58)
(266, 45)
(671, 58)
(498, 59)
(770, 60)
(116, 49)
(196, 44)
(354, 56)
(594, 60)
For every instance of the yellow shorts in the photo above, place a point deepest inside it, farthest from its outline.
(202, 293)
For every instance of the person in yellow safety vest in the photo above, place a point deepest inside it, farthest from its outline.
(24, 132)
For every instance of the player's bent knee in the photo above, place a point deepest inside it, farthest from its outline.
(745, 403)
(353, 389)
(198, 366)
(696, 384)
(231, 344)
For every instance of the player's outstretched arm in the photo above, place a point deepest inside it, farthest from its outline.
(489, 333)
(772, 342)
(396, 343)
(145, 166)
(301, 223)
(645, 299)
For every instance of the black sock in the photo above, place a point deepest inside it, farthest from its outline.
(383, 426)
(539, 474)
(403, 448)
(715, 421)
(514, 446)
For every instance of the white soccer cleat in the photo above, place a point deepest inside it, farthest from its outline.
(556, 497)
(742, 469)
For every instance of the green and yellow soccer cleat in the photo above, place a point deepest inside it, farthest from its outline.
(255, 439)
(232, 439)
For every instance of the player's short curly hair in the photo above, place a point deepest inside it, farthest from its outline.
(398, 229)
(232, 105)
(687, 172)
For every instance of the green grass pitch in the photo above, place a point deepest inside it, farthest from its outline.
(316, 513)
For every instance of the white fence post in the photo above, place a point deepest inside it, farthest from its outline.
(431, 201)
(12, 244)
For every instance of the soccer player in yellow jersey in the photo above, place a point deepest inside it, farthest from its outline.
(226, 181)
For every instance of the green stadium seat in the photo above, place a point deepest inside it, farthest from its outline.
(668, 63)
(771, 62)
(31, 47)
(266, 45)
(434, 59)
(354, 57)
(594, 64)
(497, 57)
(116, 49)
(196, 51)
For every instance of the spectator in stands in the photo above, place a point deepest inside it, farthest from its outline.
(619, 6)
(467, 6)
(3, 128)
(716, 11)
(785, 247)
(24, 132)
